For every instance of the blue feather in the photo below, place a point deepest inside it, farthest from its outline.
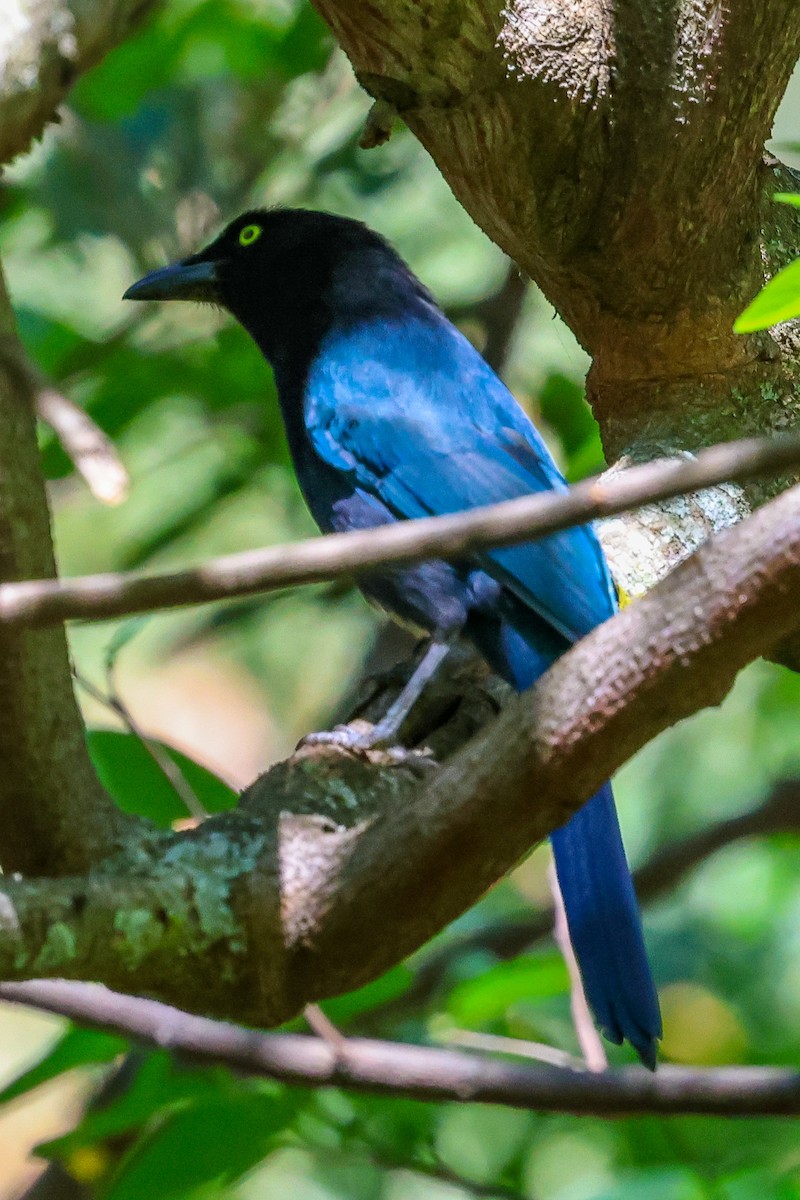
(604, 926)
(410, 412)
(602, 911)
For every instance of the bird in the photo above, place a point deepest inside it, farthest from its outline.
(391, 414)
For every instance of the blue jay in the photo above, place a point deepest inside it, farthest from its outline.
(391, 414)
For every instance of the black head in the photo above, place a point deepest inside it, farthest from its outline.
(288, 274)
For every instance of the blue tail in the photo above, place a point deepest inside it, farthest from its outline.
(605, 926)
(602, 912)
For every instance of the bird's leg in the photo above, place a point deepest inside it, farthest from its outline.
(386, 730)
(390, 723)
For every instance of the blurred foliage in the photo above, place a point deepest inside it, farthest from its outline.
(216, 106)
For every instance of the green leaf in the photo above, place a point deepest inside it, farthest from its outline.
(138, 786)
(54, 341)
(381, 991)
(213, 1142)
(392, 1126)
(666, 1183)
(586, 461)
(76, 1048)
(778, 301)
(479, 1142)
(486, 999)
(562, 403)
(158, 1086)
(792, 198)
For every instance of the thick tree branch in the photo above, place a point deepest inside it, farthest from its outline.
(44, 601)
(260, 911)
(778, 813)
(44, 48)
(708, 78)
(424, 1072)
(614, 691)
(614, 151)
(567, 108)
(54, 815)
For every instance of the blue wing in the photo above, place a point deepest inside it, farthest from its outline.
(428, 428)
(425, 427)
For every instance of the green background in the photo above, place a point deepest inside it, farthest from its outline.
(216, 106)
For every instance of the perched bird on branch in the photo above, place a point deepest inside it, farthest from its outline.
(391, 414)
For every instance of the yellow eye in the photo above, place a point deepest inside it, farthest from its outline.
(250, 234)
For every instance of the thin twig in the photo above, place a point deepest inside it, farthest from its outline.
(97, 597)
(158, 753)
(91, 450)
(422, 1072)
(323, 1027)
(111, 700)
(493, 1043)
(588, 1037)
(501, 315)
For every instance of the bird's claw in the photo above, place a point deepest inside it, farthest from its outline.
(358, 736)
(361, 737)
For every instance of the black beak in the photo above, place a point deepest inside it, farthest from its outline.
(181, 281)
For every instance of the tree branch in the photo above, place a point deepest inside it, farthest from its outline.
(498, 315)
(261, 911)
(559, 102)
(620, 151)
(422, 1072)
(96, 597)
(93, 453)
(778, 813)
(676, 650)
(54, 815)
(711, 77)
(44, 48)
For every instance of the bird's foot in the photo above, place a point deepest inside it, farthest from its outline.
(357, 736)
(362, 737)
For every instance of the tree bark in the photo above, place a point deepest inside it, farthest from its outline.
(614, 151)
(54, 815)
(301, 893)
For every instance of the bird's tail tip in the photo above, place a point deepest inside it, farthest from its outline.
(648, 1053)
(645, 1041)
(605, 927)
(645, 1044)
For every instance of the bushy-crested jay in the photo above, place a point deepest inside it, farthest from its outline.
(391, 413)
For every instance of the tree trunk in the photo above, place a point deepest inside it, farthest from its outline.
(614, 151)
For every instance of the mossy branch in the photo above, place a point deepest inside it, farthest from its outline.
(336, 865)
